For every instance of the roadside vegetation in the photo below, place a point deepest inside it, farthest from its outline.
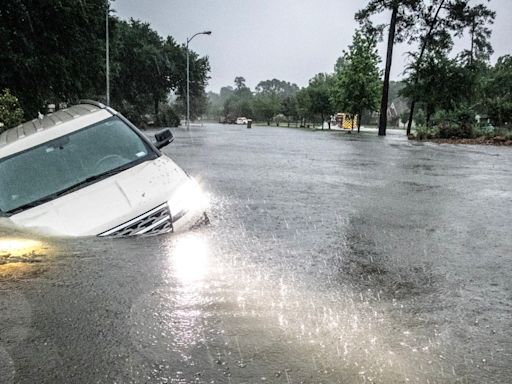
(444, 95)
(54, 53)
(11, 113)
(62, 61)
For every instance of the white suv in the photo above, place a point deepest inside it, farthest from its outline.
(87, 171)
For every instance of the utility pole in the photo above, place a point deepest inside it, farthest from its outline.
(188, 75)
(107, 55)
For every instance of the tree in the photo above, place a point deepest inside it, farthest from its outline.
(497, 91)
(52, 51)
(265, 106)
(239, 101)
(357, 80)
(319, 92)
(440, 84)
(139, 73)
(438, 21)
(240, 83)
(476, 20)
(269, 97)
(290, 108)
(403, 13)
(147, 68)
(303, 106)
(11, 113)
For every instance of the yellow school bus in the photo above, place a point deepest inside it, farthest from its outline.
(347, 121)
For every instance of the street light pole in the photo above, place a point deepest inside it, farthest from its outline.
(188, 74)
(107, 57)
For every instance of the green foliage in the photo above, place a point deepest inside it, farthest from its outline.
(167, 117)
(52, 51)
(440, 84)
(497, 91)
(404, 14)
(55, 51)
(458, 124)
(357, 82)
(319, 95)
(476, 20)
(422, 132)
(265, 106)
(237, 102)
(11, 113)
(147, 68)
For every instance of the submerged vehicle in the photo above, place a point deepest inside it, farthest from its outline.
(88, 171)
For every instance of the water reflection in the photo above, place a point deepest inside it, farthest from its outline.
(15, 247)
(170, 320)
(189, 258)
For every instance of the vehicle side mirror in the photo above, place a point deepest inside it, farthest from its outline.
(163, 138)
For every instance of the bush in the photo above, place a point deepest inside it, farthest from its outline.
(486, 131)
(167, 117)
(456, 124)
(423, 132)
(11, 113)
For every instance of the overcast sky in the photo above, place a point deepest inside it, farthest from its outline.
(289, 40)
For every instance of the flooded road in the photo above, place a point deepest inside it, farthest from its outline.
(330, 258)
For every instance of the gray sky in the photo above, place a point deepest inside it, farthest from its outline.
(290, 40)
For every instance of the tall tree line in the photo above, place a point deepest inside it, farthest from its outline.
(54, 52)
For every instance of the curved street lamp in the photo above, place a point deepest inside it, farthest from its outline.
(188, 75)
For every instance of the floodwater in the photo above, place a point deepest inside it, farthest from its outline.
(330, 258)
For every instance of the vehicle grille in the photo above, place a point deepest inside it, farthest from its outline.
(153, 222)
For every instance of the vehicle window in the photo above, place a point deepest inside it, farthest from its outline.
(61, 164)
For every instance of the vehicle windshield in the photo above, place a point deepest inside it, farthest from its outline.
(54, 168)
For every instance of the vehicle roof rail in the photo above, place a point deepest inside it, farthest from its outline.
(92, 102)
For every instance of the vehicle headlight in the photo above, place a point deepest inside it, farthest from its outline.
(188, 197)
(18, 247)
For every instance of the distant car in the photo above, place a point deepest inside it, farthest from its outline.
(87, 171)
(241, 120)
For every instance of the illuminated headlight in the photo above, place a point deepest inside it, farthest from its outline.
(187, 198)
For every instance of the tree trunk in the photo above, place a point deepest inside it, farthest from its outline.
(428, 115)
(359, 121)
(322, 115)
(156, 107)
(385, 89)
(422, 52)
(472, 42)
(329, 124)
(411, 114)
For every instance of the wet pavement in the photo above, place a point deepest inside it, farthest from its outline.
(330, 258)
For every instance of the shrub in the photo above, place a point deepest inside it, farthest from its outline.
(11, 113)
(167, 117)
(456, 124)
(423, 132)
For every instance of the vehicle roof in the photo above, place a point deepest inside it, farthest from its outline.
(47, 122)
(41, 129)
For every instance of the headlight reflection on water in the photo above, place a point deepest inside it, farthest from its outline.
(17, 256)
(19, 247)
(190, 259)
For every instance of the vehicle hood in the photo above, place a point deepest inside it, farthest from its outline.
(108, 203)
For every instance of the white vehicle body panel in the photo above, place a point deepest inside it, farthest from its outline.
(107, 203)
